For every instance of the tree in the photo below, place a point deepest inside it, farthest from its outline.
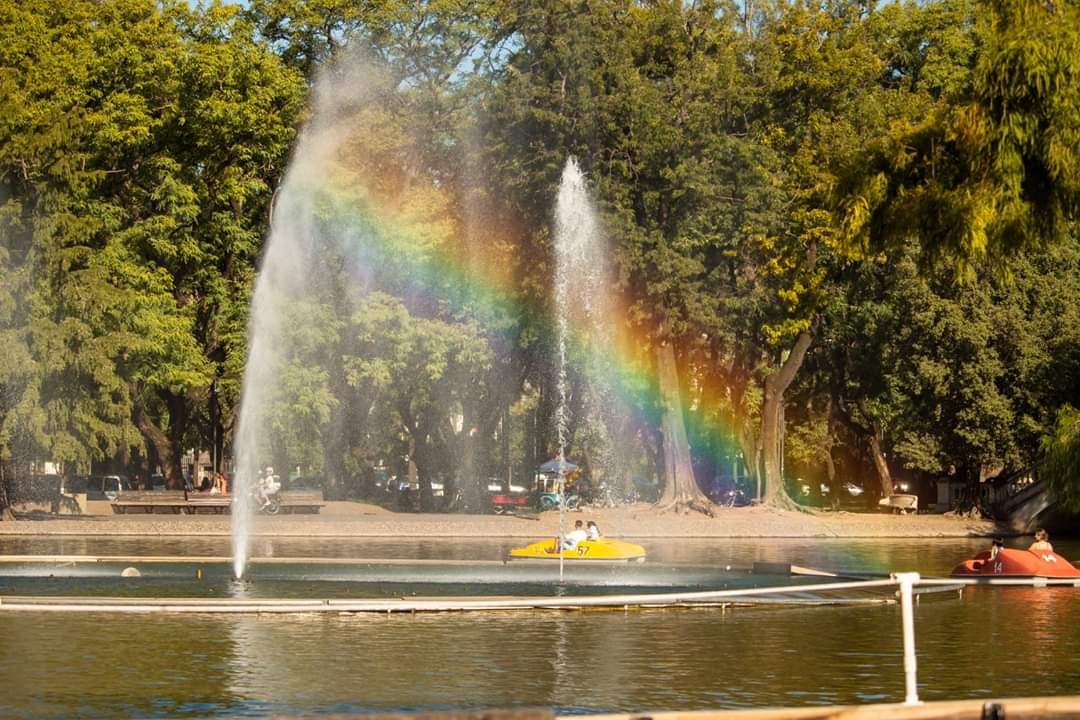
(17, 368)
(227, 141)
(139, 144)
(415, 371)
(992, 167)
(941, 377)
(66, 125)
(816, 74)
(1061, 464)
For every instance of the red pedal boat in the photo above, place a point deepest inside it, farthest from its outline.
(1017, 563)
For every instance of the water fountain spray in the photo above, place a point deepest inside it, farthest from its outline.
(300, 231)
(579, 270)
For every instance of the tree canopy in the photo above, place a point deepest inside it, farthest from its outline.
(843, 237)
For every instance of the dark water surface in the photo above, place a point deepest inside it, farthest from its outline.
(989, 642)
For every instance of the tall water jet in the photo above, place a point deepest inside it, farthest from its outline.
(585, 319)
(357, 303)
(302, 232)
(282, 279)
(573, 219)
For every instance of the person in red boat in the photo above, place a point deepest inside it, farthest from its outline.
(996, 548)
(1039, 561)
(1042, 542)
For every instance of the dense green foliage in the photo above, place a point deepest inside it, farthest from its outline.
(1062, 463)
(853, 225)
(139, 145)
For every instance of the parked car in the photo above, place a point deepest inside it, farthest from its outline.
(106, 487)
(438, 487)
(852, 489)
(505, 497)
(495, 485)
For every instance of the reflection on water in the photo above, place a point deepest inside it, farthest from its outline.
(64, 666)
(999, 642)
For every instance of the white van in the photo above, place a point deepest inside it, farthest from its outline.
(106, 487)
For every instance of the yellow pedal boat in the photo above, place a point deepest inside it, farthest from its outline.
(600, 550)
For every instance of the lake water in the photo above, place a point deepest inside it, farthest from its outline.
(989, 642)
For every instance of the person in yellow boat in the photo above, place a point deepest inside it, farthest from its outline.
(578, 534)
(593, 530)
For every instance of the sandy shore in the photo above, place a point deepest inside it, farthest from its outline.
(351, 519)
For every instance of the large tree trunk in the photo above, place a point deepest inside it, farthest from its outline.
(775, 385)
(830, 464)
(830, 474)
(217, 436)
(495, 426)
(750, 446)
(871, 436)
(335, 441)
(880, 464)
(334, 448)
(681, 492)
(5, 503)
(470, 478)
(425, 465)
(179, 412)
(412, 472)
(653, 443)
(749, 440)
(163, 448)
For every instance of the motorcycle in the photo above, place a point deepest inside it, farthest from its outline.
(265, 496)
(734, 498)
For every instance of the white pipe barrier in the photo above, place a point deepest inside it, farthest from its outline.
(907, 585)
(444, 604)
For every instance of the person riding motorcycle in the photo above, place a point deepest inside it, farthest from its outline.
(265, 486)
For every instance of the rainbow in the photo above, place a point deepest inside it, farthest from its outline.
(472, 272)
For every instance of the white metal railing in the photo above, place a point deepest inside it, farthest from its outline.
(448, 604)
(907, 583)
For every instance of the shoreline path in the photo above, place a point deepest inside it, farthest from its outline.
(351, 519)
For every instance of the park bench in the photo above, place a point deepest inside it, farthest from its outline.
(301, 501)
(169, 501)
(902, 503)
(181, 501)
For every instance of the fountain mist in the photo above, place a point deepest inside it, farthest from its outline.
(302, 233)
(583, 304)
